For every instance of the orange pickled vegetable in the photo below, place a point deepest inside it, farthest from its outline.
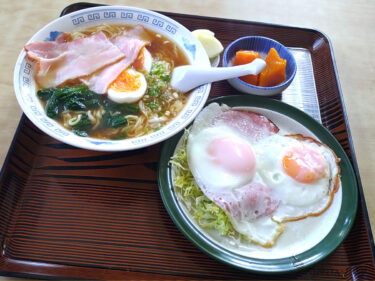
(244, 57)
(274, 72)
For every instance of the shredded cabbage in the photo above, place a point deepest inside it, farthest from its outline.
(205, 212)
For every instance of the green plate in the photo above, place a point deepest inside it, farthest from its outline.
(318, 252)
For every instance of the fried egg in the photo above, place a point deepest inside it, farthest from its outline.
(221, 158)
(130, 86)
(223, 164)
(261, 181)
(302, 172)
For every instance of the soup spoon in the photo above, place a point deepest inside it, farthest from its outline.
(188, 77)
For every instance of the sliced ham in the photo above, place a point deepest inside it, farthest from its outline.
(61, 61)
(100, 80)
(248, 202)
(63, 38)
(130, 43)
(253, 125)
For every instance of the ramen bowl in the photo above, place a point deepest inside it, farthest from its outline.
(261, 45)
(26, 87)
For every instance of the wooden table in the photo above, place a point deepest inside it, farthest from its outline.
(349, 25)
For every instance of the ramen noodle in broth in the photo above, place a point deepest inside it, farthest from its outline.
(138, 101)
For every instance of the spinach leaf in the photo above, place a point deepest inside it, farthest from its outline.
(124, 109)
(114, 116)
(77, 98)
(52, 108)
(81, 98)
(45, 94)
(113, 121)
(82, 126)
(68, 98)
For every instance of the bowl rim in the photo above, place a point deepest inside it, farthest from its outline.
(251, 37)
(103, 144)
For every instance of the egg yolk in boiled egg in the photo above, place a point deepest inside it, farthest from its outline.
(304, 164)
(128, 87)
(126, 82)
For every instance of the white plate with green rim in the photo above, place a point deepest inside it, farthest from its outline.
(345, 203)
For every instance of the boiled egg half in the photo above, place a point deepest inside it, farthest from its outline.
(130, 86)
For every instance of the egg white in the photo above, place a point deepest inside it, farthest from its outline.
(147, 63)
(263, 231)
(298, 200)
(205, 171)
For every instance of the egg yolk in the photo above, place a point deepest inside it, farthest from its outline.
(232, 154)
(304, 164)
(126, 82)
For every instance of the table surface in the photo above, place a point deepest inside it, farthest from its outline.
(348, 24)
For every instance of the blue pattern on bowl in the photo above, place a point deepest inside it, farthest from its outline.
(53, 35)
(190, 47)
(261, 45)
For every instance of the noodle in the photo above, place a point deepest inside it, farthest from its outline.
(154, 110)
(109, 30)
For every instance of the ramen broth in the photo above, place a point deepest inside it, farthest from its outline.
(159, 105)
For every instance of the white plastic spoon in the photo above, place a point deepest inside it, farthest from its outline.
(187, 77)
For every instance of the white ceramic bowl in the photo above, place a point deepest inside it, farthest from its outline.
(25, 87)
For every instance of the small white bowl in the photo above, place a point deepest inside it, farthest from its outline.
(261, 45)
(25, 87)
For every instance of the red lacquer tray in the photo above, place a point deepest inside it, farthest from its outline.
(73, 213)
